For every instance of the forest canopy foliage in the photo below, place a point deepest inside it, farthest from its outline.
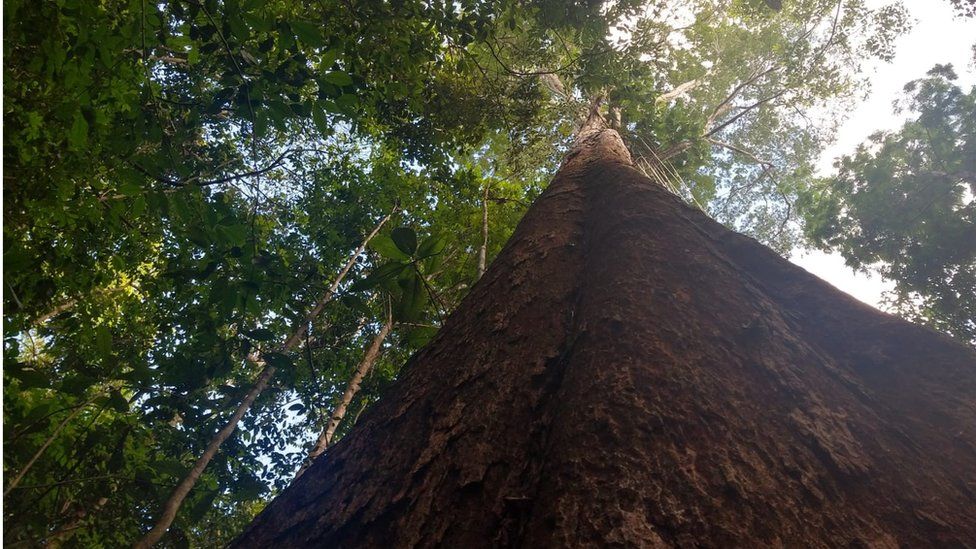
(904, 204)
(184, 181)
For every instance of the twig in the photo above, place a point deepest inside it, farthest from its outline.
(233, 177)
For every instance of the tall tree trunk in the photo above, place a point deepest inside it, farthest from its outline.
(630, 373)
(172, 505)
(365, 365)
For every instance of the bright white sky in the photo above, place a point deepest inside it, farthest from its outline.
(937, 37)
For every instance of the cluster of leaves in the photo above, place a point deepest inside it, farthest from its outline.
(903, 205)
(406, 272)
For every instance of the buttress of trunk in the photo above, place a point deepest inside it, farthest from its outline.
(630, 373)
(365, 365)
(172, 505)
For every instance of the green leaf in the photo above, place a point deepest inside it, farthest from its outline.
(223, 296)
(278, 112)
(220, 99)
(385, 246)
(299, 407)
(202, 506)
(419, 336)
(240, 31)
(405, 239)
(30, 378)
(77, 384)
(232, 235)
(432, 263)
(169, 467)
(198, 236)
(278, 360)
(138, 206)
(258, 23)
(412, 300)
(103, 339)
(378, 276)
(321, 120)
(208, 270)
(260, 334)
(329, 57)
(248, 487)
(432, 245)
(308, 33)
(338, 78)
(357, 304)
(78, 133)
(260, 126)
(129, 188)
(140, 374)
(347, 102)
(117, 401)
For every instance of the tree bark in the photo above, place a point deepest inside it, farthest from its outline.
(365, 365)
(172, 505)
(630, 373)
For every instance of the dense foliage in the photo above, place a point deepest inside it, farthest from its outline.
(903, 205)
(183, 181)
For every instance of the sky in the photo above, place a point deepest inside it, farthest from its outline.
(937, 37)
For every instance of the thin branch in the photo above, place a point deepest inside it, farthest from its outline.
(73, 481)
(45, 416)
(40, 451)
(744, 111)
(678, 90)
(514, 72)
(766, 165)
(789, 212)
(724, 105)
(177, 183)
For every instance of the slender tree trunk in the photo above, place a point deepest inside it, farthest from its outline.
(175, 501)
(630, 373)
(172, 505)
(365, 365)
(483, 249)
(40, 451)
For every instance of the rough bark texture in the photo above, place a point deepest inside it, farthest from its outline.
(630, 373)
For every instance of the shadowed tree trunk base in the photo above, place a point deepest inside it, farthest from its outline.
(628, 372)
